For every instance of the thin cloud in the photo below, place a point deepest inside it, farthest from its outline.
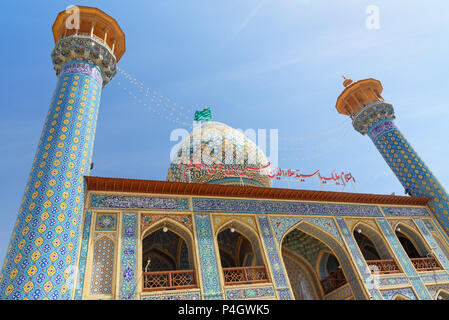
(245, 22)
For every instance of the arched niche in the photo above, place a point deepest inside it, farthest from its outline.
(327, 264)
(413, 244)
(170, 243)
(335, 248)
(442, 295)
(239, 245)
(371, 243)
(303, 280)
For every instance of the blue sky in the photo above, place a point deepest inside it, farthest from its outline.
(270, 64)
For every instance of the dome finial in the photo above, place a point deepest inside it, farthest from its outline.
(347, 81)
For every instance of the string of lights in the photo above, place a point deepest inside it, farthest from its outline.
(159, 111)
(154, 96)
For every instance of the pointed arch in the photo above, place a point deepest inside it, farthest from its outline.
(411, 241)
(442, 294)
(303, 282)
(380, 245)
(399, 296)
(337, 250)
(247, 232)
(322, 263)
(177, 228)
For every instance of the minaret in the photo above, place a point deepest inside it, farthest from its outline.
(43, 253)
(371, 115)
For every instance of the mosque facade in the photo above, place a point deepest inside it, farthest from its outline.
(215, 229)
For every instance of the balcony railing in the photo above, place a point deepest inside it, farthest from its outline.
(245, 275)
(169, 280)
(426, 264)
(333, 281)
(93, 36)
(383, 266)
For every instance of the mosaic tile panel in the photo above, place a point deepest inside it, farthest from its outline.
(342, 293)
(367, 278)
(433, 290)
(392, 281)
(428, 224)
(221, 220)
(174, 296)
(282, 224)
(405, 212)
(445, 234)
(211, 283)
(83, 256)
(341, 255)
(283, 207)
(403, 259)
(284, 294)
(406, 292)
(128, 256)
(434, 277)
(45, 242)
(102, 266)
(431, 241)
(250, 293)
(326, 224)
(135, 202)
(409, 223)
(148, 220)
(106, 222)
(278, 272)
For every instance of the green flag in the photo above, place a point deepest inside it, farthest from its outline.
(204, 114)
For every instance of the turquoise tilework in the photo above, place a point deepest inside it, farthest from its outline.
(46, 238)
(279, 273)
(128, 256)
(211, 282)
(431, 241)
(367, 277)
(403, 259)
(412, 172)
(83, 256)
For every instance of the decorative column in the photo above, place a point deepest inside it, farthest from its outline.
(371, 115)
(128, 257)
(404, 260)
(366, 277)
(273, 254)
(210, 277)
(83, 256)
(43, 253)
